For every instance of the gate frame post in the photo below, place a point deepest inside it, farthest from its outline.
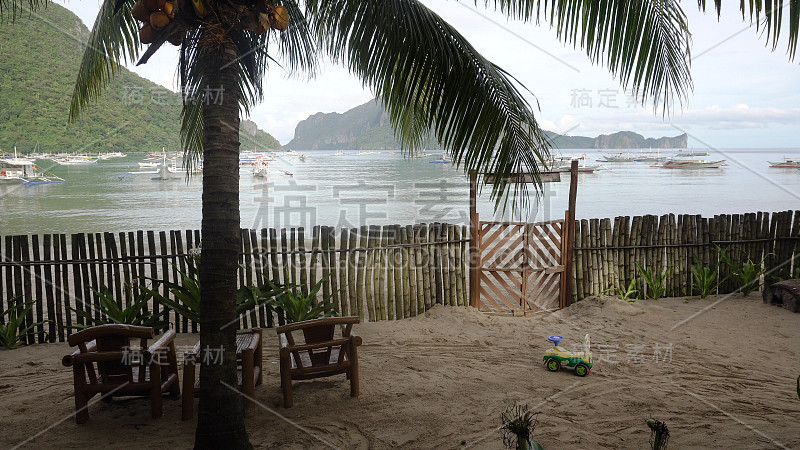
(474, 267)
(568, 238)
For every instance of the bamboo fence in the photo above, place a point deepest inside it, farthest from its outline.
(376, 272)
(607, 252)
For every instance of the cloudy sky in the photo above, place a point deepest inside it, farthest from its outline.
(745, 96)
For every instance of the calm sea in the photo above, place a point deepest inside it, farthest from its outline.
(384, 188)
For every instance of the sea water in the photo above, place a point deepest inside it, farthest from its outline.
(388, 188)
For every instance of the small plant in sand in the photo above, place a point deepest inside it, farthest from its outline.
(704, 280)
(13, 329)
(518, 425)
(659, 434)
(656, 281)
(631, 294)
(747, 275)
(134, 314)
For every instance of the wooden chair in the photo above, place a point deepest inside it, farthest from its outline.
(249, 356)
(106, 364)
(321, 355)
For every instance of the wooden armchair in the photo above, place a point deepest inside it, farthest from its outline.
(249, 356)
(321, 355)
(106, 364)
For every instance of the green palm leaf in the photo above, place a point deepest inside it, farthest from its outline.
(15, 8)
(644, 43)
(428, 76)
(768, 17)
(113, 40)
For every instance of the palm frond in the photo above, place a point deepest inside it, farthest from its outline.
(426, 73)
(768, 16)
(644, 43)
(114, 39)
(297, 45)
(198, 51)
(11, 9)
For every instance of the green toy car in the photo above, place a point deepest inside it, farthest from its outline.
(557, 357)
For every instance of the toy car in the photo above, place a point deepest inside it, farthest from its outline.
(557, 357)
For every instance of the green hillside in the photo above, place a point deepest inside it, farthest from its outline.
(366, 127)
(39, 60)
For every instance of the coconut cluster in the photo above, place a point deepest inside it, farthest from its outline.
(257, 16)
(156, 15)
(263, 16)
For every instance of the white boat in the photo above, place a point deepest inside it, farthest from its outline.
(691, 153)
(165, 170)
(339, 153)
(17, 171)
(263, 170)
(369, 153)
(558, 163)
(75, 160)
(110, 155)
(618, 157)
(16, 159)
(442, 160)
(787, 163)
(691, 164)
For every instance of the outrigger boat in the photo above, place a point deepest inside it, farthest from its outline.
(75, 160)
(691, 153)
(164, 171)
(691, 164)
(21, 171)
(787, 163)
(618, 157)
(564, 164)
(264, 171)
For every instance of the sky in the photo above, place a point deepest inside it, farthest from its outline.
(744, 96)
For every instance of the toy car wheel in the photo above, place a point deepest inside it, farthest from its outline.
(582, 370)
(553, 365)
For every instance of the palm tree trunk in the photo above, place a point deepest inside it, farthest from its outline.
(220, 421)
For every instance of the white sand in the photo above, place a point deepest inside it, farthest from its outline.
(444, 377)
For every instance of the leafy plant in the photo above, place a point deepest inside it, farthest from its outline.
(518, 425)
(629, 295)
(186, 294)
(298, 307)
(704, 280)
(656, 282)
(12, 333)
(134, 314)
(748, 275)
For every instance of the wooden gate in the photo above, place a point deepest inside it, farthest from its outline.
(521, 266)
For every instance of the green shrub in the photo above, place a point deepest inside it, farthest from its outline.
(704, 280)
(13, 331)
(629, 295)
(299, 307)
(747, 275)
(186, 294)
(656, 282)
(134, 314)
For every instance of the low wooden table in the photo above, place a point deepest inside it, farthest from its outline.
(249, 356)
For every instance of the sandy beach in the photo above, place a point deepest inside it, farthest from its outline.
(721, 373)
